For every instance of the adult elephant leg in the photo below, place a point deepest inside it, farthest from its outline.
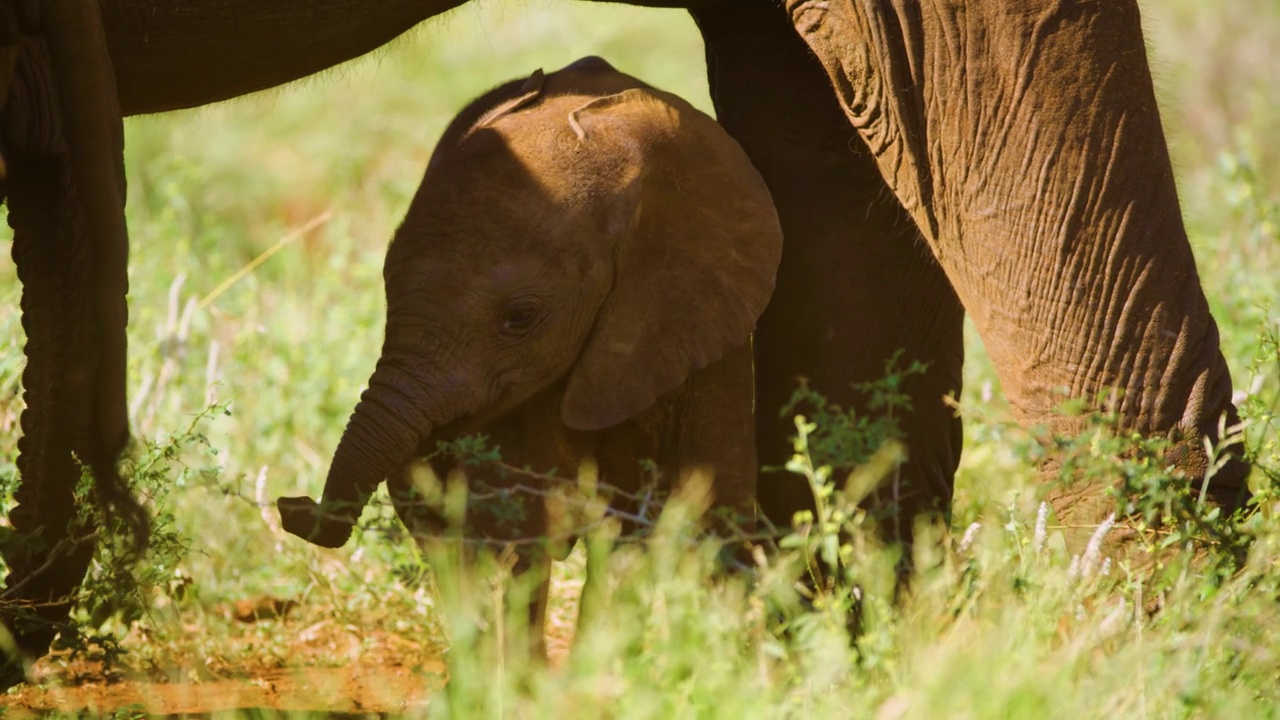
(73, 317)
(856, 282)
(45, 562)
(1027, 145)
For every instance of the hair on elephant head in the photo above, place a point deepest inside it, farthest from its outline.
(578, 233)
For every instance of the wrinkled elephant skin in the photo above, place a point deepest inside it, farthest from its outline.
(61, 139)
(1031, 157)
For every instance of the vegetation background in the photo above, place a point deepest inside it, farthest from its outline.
(315, 178)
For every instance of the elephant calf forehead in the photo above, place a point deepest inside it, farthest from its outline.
(490, 280)
(494, 198)
(507, 275)
(535, 259)
(526, 228)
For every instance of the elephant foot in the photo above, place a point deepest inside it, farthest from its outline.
(1228, 487)
(1092, 521)
(64, 190)
(12, 672)
(36, 605)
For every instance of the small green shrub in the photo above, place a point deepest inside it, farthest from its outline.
(121, 587)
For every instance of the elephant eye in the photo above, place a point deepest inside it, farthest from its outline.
(520, 318)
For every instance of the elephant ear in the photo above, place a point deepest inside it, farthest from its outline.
(489, 107)
(529, 91)
(696, 250)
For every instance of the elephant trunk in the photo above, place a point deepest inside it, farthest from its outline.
(384, 431)
(94, 132)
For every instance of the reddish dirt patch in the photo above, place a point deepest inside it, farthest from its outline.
(276, 654)
(352, 689)
(264, 653)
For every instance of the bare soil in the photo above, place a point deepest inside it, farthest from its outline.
(270, 659)
(276, 655)
(353, 689)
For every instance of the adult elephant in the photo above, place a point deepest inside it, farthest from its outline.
(925, 157)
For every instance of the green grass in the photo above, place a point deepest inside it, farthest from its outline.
(1002, 628)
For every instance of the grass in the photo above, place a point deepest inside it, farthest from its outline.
(1003, 626)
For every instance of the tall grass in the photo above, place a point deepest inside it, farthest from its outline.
(996, 622)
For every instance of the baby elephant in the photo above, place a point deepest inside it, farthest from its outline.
(578, 275)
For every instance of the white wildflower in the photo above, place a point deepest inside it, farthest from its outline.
(1042, 517)
(1093, 551)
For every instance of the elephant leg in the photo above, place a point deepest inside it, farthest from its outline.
(426, 523)
(594, 599)
(530, 587)
(73, 278)
(1027, 146)
(856, 282)
(716, 436)
(505, 509)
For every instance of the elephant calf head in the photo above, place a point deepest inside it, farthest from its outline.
(577, 230)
